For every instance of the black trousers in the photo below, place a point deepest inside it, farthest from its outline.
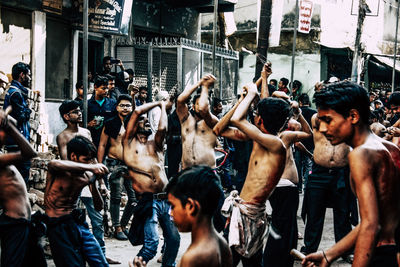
(384, 256)
(254, 261)
(319, 196)
(174, 155)
(284, 202)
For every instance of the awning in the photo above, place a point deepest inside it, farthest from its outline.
(205, 6)
(387, 61)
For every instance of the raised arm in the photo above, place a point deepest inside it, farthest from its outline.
(265, 73)
(72, 166)
(204, 106)
(102, 146)
(182, 109)
(290, 137)
(270, 142)
(26, 150)
(162, 127)
(132, 124)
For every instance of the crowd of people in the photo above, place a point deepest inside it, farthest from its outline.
(162, 155)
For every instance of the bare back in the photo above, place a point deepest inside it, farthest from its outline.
(146, 166)
(265, 170)
(325, 154)
(62, 191)
(198, 143)
(13, 194)
(211, 251)
(384, 162)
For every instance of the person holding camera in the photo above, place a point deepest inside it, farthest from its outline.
(108, 64)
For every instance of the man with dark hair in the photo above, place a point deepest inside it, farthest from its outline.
(71, 241)
(16, 230)
(267, 163)
(113, 92)
(216, 109)
(131, 74)
(17, 97)
(111, 138)
(296, 90)
(282, 85)
(192, 210)
(100, 108)
(141, 97)
(108, 64)
(394, 105)
(343, 113)
(145, 160)
(274, 83)
(79, 93)
(71, 114)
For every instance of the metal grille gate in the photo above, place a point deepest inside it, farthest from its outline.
(179, 63)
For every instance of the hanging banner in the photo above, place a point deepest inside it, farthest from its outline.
(276, 20)
(105, 16)
(305, 14)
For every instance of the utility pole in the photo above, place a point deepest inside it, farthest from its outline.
(296, 23)
(362, 10)
(85, 60)
(214, 35)
(263, 34)
(395, 47)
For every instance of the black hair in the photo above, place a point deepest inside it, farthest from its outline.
(66, 106)
(394, 99)
(200, 183)
(18, 68)
(297, 84)
(81, 146)
(78, 84)
(304, 99)
(342, 97)
(130, 71)
(100, 80)
(274, 112)
(285, 81)
(109, 77)
(216, 101)
(195, 97)
(142, 88)
(275, 81)
(105, 59)
(124, 97)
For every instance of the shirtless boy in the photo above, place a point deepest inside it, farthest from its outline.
(145, 161)
(71, 114)
(71, 241)
(343, 112)
(112, 135)
(192, 210)
(266, 165)
(16, 216)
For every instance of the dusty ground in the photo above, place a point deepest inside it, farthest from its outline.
(123, 251)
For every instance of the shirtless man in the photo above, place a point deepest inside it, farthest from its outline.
(71, 241)
(145, 161)
(266, 166)
(198, 138)
(343, 112)
(285, 198)
(192, 210)
(71, 114)
(16, 216)
(327, 186)
(112, 135)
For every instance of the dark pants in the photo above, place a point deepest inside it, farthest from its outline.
(72, 243)
(384, 256)
(14, 235)
(254, 261)
(284, 202)
(326, 188)
(174, 155)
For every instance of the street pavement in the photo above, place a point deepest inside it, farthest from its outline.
(124, 252)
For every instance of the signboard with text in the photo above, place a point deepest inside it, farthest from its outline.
(105, 16)
(305, 14)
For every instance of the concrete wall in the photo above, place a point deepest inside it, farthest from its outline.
(306, 69)
(56, 124)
